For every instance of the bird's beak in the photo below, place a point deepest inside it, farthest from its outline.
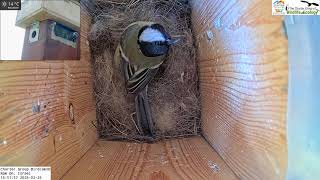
(172, 41)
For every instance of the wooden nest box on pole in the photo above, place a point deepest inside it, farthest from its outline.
(52, 29)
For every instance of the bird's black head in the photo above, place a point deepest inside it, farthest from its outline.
(154, 40)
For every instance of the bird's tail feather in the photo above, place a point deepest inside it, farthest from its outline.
(143, 113)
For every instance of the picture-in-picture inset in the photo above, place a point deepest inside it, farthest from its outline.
(40, 30)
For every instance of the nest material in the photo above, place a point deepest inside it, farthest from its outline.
(173, 94)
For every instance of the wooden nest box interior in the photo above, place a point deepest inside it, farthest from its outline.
(243, 70)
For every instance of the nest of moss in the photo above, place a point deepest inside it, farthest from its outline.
(173, 94)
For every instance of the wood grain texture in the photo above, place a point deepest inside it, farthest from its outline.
(243, 66)
(48, 137)
(190, 158)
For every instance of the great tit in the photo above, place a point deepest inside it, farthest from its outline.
(143, 47)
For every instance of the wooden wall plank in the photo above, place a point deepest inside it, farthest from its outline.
(47, 138)
(190, 158)
(243, 65)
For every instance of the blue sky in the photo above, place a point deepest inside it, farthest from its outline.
(11, 36)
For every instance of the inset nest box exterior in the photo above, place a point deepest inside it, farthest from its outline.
(66, 12)
(52, 29)
(50, 40)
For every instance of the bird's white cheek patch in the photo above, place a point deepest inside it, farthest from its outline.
(151, 35)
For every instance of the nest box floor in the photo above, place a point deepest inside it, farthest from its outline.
(189, 158)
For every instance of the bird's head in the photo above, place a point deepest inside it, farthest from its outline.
(154, 40)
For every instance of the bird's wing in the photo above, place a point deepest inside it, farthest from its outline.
(136, 81)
